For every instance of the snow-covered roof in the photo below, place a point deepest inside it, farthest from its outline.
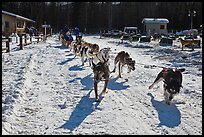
(155, 20)
(17, 16)
(130, 27)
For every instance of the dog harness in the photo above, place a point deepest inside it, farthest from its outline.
(102, 58)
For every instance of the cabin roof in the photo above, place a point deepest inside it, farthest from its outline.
(155, 20)
(17, 16)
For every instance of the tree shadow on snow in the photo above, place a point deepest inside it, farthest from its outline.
(143, 46)
(140, 45)
(16, 49)
(83, 109)
(114, 85)
(169, 115)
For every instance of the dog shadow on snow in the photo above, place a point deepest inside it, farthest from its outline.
(85, 106)
(65, 61)
(88, 105)
(114, 85)
(68, 59)
(60, 46)
(83, 109)
(169, 115)
(87, 82)
(76, 68)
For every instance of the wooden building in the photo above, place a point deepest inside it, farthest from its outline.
(12, 23)
(155, 25)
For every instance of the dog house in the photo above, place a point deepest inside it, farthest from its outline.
(155, 25)
(12, 23)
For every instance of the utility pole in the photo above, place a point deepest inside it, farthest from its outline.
(110, 16)
(86, 4)
(191, 14)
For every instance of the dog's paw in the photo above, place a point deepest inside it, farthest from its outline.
(168, 103)
(151, 86)
(104, 92)
(97, 100)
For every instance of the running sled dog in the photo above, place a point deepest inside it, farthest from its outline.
(101, 73)
(172, 79)
(123, 58)
(88, 51)
(100, 66)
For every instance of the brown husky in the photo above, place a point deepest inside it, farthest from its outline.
(123, 58)
(101, 73)
(192, 42)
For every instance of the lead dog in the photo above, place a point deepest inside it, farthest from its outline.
(172, 79)
(101, 73)
(123, 58)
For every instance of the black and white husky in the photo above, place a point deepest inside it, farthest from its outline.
(88, 51)
(172, 79)
(102, 56)
(76, 47)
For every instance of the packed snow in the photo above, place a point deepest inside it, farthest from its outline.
(47, 91)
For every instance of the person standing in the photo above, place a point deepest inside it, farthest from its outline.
(76, 32)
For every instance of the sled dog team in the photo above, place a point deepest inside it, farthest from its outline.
(99, 61)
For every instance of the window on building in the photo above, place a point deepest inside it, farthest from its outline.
(162, 26)
(20, 23)
(6, 24)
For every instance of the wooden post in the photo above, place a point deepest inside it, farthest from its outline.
(25, 39)
(21, 41)
(16, 37)
(38, 38)
(192, 45)
(30, 39)
(7, 45)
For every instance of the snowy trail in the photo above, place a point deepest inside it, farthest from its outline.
(57, 96)
(41, 95)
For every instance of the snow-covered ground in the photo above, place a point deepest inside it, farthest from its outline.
(46, 91)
